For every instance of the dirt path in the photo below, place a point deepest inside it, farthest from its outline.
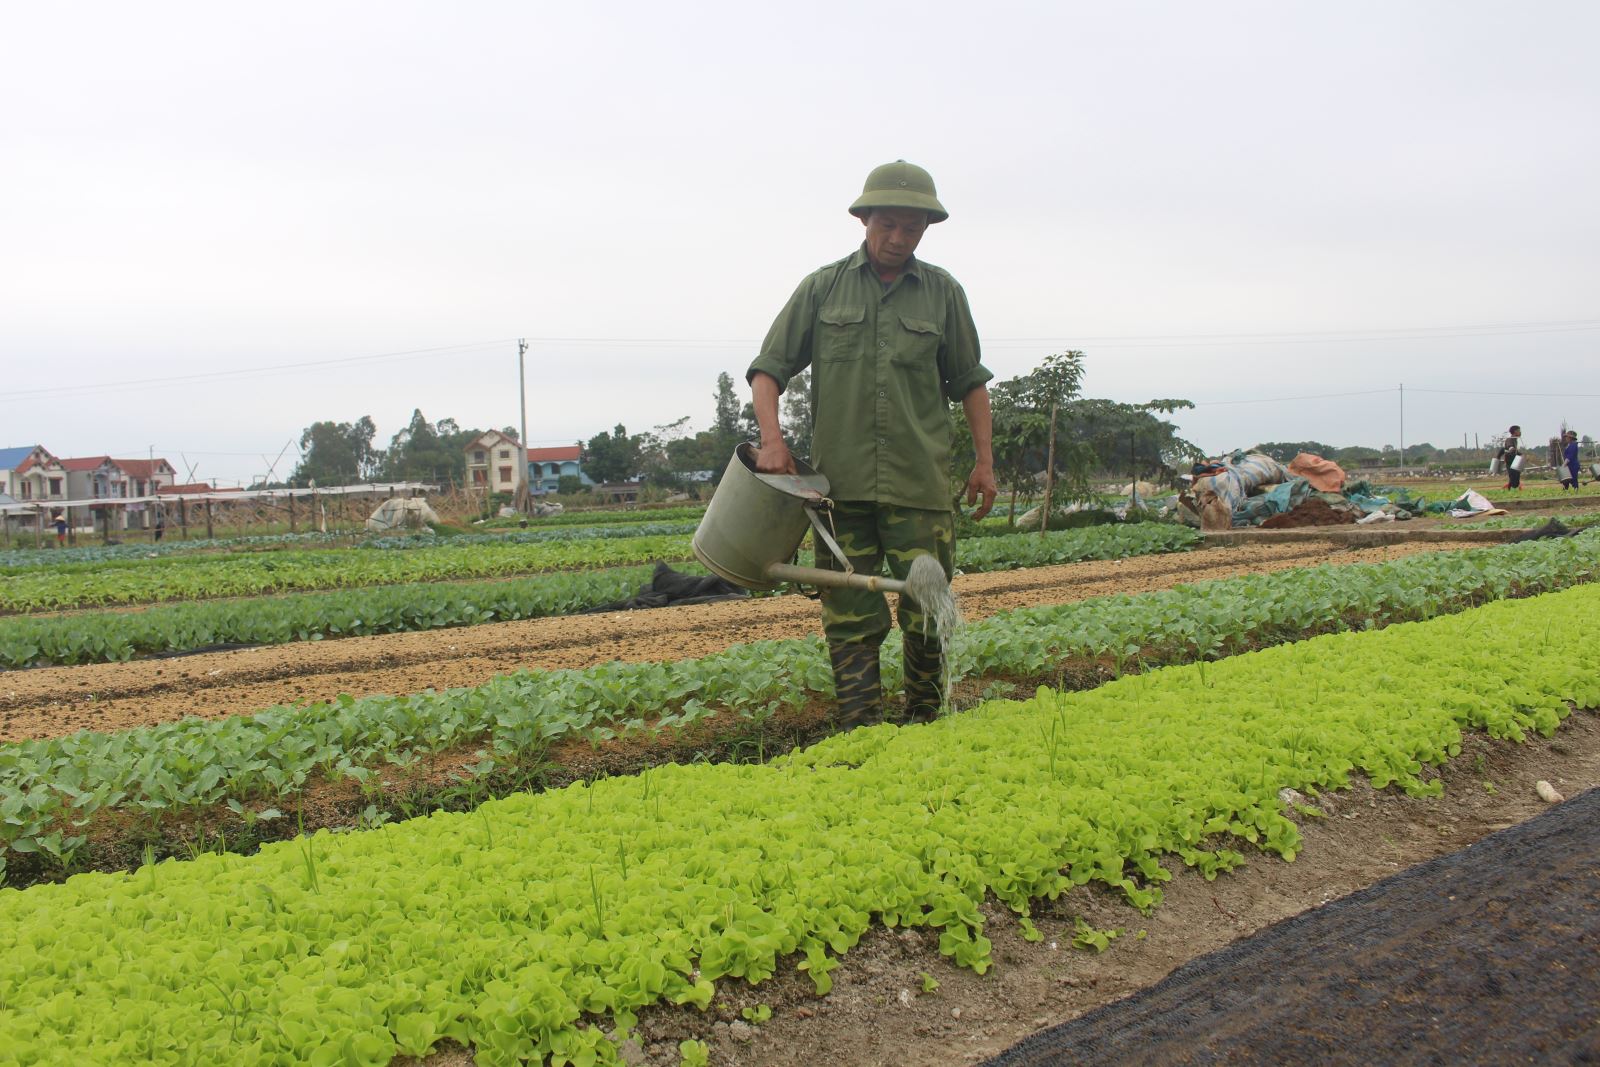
(52, 701)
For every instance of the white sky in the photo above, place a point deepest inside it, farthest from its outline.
(1224, 202)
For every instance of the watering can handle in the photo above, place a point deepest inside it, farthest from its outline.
(822, 503)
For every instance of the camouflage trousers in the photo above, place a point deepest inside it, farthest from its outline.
(872, 536)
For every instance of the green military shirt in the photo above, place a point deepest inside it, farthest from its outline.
(885, 363)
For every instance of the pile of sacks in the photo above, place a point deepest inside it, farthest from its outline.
(1253, 489)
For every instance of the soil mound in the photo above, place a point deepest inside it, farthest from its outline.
(1312, 511)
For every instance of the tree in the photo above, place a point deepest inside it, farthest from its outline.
(726, 422)
(1051, 384)
(337, 453)
(418, 453)
(611, 457)
(1284, 451)
(1026, 413)
(730, 425)
(798, 418)
(1130, 439)
(749, 425)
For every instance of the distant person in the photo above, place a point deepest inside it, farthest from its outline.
(1569, 454)
(161, 523)
(61, 530)
(1510, 449)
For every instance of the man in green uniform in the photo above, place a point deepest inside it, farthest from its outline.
(891, 344)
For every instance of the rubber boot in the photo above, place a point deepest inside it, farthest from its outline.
(857, 685)
(924, 678)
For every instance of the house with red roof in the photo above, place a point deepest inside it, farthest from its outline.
(104, 478)
(546, 466)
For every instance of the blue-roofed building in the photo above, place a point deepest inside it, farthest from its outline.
(30, 472)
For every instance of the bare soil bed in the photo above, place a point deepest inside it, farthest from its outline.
(1487, 952)
(51, 701)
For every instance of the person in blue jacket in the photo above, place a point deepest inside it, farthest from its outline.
(1569, 453)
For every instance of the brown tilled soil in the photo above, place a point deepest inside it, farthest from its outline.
(58, 700)
(878, 1012)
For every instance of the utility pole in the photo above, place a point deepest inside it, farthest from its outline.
(525, 493)
(1402, 424)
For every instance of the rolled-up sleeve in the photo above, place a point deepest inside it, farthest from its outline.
(960, 360)
(787, 348)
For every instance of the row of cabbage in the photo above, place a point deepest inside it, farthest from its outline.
(13, 560)
(257, 574)
(1574, 521)
(51, 789)
(117, 557)
(1495, 490)
(115, 635)
(537, 927)
(22, 558)
(109, 636)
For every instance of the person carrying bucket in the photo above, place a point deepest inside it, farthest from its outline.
(889, 340)
(1569, 460)
(1510, 452)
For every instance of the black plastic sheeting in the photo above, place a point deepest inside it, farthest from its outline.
(1490, 955)
(668, 587)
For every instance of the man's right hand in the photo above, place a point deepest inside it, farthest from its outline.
(774, 458)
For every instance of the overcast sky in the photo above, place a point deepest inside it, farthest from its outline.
(1229, 202)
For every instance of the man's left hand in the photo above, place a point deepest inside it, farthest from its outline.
(982, 484)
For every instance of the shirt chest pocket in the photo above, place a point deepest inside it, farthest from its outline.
(841, 333)
(918, 341)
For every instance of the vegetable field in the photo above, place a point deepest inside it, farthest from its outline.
(406, 874)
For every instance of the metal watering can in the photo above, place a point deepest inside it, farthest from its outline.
(755, 523)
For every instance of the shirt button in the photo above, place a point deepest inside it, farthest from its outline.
(883, 344)
(882, 394)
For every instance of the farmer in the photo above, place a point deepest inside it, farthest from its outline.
(891, 343)
(60, 523)
(1569, 459)
(1508, 452)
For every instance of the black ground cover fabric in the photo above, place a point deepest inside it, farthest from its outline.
(1490, 955)
(667, 586)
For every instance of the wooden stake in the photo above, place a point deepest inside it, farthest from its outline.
(1049, 472)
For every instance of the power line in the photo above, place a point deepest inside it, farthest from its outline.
(237, 372)
(1288, 399)
(1339, 336)
(1501, 392)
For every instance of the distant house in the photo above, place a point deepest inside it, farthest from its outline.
(30, 473)
(547, 466)
(92, 478)
(492, 463)
(104, 478)
(148, 475)
(145, 478)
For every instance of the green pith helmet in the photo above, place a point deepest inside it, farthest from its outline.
(899, 184)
